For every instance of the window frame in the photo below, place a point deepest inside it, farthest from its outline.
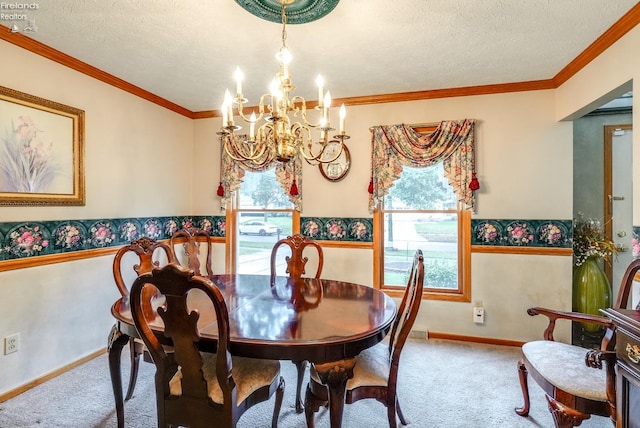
(232, 215)
(463, 293)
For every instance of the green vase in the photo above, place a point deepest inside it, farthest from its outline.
(591, 290)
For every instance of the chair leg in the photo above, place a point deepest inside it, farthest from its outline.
(134, 355)
(301, 366)
(524, 385)
(278, 405)
(403, 420)
(391, 415)
(563, 416)
(312, 404)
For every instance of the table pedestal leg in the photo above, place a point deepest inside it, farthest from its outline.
(116, 342)
(335, 376)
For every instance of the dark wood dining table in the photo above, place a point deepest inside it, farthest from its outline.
(326, 322)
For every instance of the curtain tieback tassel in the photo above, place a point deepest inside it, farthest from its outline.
(474, 184)
(294, 189)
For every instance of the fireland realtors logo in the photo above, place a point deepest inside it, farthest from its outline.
(18, 12)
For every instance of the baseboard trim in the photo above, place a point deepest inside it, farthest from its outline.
(27, 386)
(487, 340)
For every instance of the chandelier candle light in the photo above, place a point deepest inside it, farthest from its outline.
(279, 137)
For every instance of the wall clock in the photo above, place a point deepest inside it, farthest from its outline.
(338, 169)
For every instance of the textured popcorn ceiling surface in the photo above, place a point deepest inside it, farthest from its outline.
(187, 50)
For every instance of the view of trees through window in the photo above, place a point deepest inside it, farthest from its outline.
(264, 216)
(421, 212)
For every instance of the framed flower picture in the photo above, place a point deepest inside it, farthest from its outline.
(41, 151)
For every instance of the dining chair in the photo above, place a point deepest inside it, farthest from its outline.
(571, 376)
(144, 249)
(191, 239)
(296, 268)
(375, 374)
(195, 388)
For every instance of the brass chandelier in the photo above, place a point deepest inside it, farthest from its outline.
(280, 137)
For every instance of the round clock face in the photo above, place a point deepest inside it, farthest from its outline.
(338, 168)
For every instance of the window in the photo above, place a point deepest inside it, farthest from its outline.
(421, 211)
(264, 215)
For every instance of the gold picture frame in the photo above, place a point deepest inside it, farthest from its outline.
(41, 151)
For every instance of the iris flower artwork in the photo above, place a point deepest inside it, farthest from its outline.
(41, 151)
(26, 158)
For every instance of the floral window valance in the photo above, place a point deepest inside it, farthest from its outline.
(289, 175)
(395, 146)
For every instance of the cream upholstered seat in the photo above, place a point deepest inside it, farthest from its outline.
(371, 369)
(572, 378)
(196, 389)
(375, 374)
(250, 374)
(567, 369)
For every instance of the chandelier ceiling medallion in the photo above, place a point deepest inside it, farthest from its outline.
(286, 132)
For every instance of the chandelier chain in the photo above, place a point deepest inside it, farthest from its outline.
(284, 24)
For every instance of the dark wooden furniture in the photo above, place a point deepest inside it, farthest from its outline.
(290, 319)
(191, 239)
(193, 388)
(572, 378)
(627, 324)
(296, 263)
(143, 250)
(376, 369)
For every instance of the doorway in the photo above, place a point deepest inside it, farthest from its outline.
(618, 198)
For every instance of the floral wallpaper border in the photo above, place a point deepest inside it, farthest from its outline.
(33, 238)
(522, 233)
(337, 229)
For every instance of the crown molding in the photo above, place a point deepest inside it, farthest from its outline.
(55, 55)
(602, 43)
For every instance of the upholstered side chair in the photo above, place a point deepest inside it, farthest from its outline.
(194, 388)
(142, 250)
(573, 379)
(296, 268)
(375, 374)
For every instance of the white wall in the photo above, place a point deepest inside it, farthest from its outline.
(138, 162)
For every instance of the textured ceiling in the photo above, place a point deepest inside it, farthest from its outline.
(187, 50)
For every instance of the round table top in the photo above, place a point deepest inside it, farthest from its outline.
(317, 320)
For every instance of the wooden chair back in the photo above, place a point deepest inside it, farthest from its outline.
(296, 262)
(145, 249)
(407, 313)
(192, 406)
(192, 239)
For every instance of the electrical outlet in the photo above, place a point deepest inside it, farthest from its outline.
(12, 344)
(478, 315)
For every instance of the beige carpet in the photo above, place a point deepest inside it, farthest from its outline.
(444, 384)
